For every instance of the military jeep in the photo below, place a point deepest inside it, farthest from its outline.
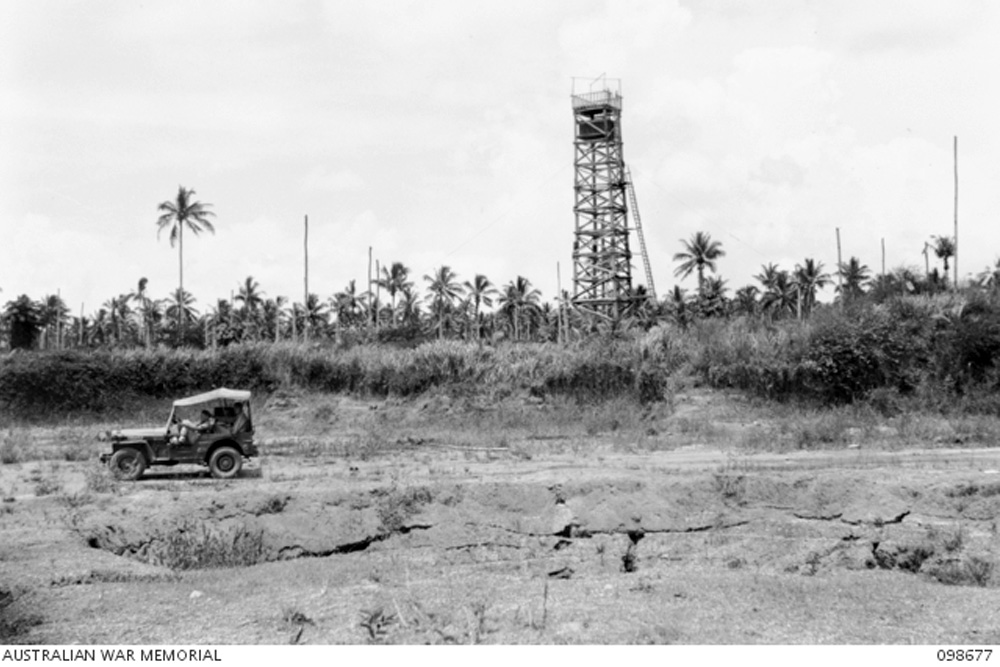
(221, 442)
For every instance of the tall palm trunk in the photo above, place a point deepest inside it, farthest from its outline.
(180, 294)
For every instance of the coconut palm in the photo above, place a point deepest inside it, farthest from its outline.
(444, 290)
(179, 213)
(347, 305)
(808, 279)
(140, 297)
(252, 298)
(519, 302)
(944, 248)
(271, 314)
(120, 314)
(780, 296)
(990, 277)
(699, 254)
(101, 330)
(53, 313)
(180, 306)
(315, 313)
(409, 307)
(745, 300)
(677, 306)
(853, 275)
(24, 318)
(394, 279)
(767, 276)
(712, 301)
(221, 324)
(481, 292)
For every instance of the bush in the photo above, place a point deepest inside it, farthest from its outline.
(111, 380)
(193, 545)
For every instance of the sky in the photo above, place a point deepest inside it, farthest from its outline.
(441, 133)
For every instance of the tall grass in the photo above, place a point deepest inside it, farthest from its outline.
(104, 380)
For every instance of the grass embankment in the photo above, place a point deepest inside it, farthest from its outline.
(939, 353)
(100, 381)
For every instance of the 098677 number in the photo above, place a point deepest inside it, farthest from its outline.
(964, 655)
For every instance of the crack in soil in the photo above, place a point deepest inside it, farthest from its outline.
(879, 522)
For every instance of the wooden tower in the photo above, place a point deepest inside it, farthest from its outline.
(602, 261)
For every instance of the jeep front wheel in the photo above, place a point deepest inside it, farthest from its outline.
(225, 462)
(127, 464)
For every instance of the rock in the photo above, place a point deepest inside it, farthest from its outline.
(195, 595)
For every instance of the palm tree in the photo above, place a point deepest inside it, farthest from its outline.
(808, 279)
(347, 305)
(990, 277)
(409, 306)
(101, 328)
(745, 300)
(481, 292)
(517, 299)
(271, 312)
(24, 318)
(140, 297)
(854, 275)
(712, 300)
(394, 280)
(151, 317)
(120, 314)
(315, 313)
(444, 290)
(768, 274)
(944, 248)
(177, 214)
(53, 312)
(252, 298)
(780, 296)
(180, 306)
(699, 253)
(677, 307)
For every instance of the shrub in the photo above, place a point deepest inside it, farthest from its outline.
(46, 486)
(10, 449)
(972, 571)
(98, 478)
(192, 545)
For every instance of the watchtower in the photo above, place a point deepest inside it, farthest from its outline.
(602, 261)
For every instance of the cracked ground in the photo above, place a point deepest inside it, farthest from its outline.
(427, 522)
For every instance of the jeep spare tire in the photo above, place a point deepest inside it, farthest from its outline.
(225, 462)
(127, 464)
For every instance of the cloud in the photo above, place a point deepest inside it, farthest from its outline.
(320, 178)
(597, 42)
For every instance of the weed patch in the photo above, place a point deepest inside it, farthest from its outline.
(193, 545)
(98, 479)
(970, 571)
(396, 507)
(377, 623)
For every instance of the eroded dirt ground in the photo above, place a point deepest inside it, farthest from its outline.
(390, 531)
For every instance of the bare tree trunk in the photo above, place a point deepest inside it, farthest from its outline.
(956, 213)
(180, 292)
(305, 302)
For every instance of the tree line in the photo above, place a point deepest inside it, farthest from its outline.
(393, 308)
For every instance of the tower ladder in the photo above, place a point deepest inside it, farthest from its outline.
(634, 206)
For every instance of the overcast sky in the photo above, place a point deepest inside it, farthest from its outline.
(441, 133)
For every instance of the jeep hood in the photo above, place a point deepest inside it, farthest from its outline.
(139, 433)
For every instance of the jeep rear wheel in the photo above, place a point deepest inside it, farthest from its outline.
(225, 462)
(127, 464)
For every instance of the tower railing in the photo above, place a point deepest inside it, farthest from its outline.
(598, 98)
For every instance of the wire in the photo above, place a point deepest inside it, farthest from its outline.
(517, 203)
(689, 207)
